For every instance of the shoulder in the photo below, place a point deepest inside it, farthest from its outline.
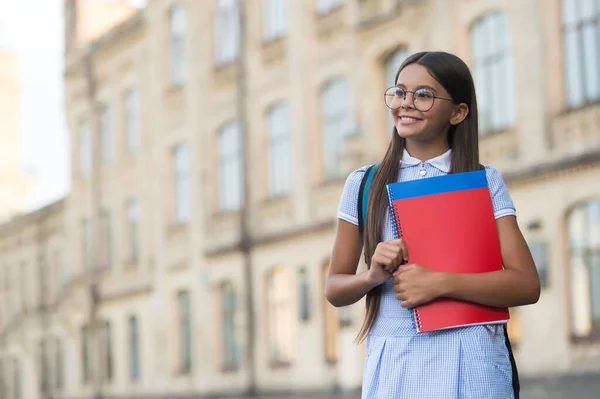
(494, 178)
(355, 177)
(348, 208)
(501, 199)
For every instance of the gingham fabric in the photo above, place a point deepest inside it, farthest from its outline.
(464, 363)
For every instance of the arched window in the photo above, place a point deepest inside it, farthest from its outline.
(280, 314)
(581, 30)
(230, 349)
(583, 229)
(280, 153)
(231, 181)
(336, 122)
(493, 70)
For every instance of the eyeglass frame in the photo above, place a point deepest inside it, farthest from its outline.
(413, 98)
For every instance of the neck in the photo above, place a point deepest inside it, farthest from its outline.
(425, 150)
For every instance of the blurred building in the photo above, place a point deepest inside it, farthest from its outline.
(14, 185)
(176, 278)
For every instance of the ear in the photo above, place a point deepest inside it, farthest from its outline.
(459, 114)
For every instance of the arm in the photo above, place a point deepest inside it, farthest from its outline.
(343, 286)
(518, 284)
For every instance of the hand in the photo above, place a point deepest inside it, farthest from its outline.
(415, 285)
(385, 260)
(389, 255)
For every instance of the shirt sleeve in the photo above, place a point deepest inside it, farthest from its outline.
(348, 208)
(501, 200)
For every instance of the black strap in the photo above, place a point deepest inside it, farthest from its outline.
(513, 365)
(359, 202)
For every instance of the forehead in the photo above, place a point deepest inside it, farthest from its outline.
(415, 75)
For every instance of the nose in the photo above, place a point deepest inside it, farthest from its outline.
(407, 102)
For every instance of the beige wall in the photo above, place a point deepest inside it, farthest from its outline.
(293, 231)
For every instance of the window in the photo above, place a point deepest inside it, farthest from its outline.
(108, 350)
(108, 237)
(182, 184)
(275, 18)
(86, 244)
(493, 70)
(304, 295)
(23, 278)
(336, 124)
(230, 167)
(43, 280)
(280, 315)
(60, 269)
(177, 45)
(42, 367)
(227, 32)
(392, 64)
(133, 219)
(17, 383)
(539, 252)
(280, 154)
(584, 254)
(230, 343)
(85, 148)
(325, 6)
(59, 364)
(332, 325)
(86, 359)
(106, 134)
(132, 119)
(134, 349)
(185, 332)
(581, 30)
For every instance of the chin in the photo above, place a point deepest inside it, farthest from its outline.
(408, 133)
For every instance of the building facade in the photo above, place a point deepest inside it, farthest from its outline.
(210, 144)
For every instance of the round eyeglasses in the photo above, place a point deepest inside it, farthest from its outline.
(422, 99)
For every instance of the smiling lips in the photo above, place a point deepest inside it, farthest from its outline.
(409, 120)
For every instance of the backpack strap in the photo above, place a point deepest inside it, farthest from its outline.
(363, 196)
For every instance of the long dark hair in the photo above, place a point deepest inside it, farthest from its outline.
(454, 75)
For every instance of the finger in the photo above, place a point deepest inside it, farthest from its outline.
(390, 252)
(381, 260)
(406, 304)
(404, 250)
(406, 268)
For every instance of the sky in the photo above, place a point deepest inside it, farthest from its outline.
(32, 29)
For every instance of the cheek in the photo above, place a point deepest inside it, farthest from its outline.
(439, 116)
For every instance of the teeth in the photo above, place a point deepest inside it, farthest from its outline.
(408, 119)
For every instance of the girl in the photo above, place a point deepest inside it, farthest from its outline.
(434, 109)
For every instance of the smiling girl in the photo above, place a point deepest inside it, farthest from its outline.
(434, 109)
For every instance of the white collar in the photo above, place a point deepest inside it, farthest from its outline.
(441, 162)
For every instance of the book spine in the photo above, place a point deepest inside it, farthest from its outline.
(397, 231)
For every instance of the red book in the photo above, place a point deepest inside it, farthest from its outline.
(448, 225)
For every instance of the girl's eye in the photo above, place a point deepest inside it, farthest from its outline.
(424, 94)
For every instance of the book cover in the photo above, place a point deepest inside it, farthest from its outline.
(448, 225)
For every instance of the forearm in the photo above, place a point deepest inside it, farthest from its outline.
(346, 289)
(503, 288)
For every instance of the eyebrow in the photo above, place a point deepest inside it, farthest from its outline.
(418, 87)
